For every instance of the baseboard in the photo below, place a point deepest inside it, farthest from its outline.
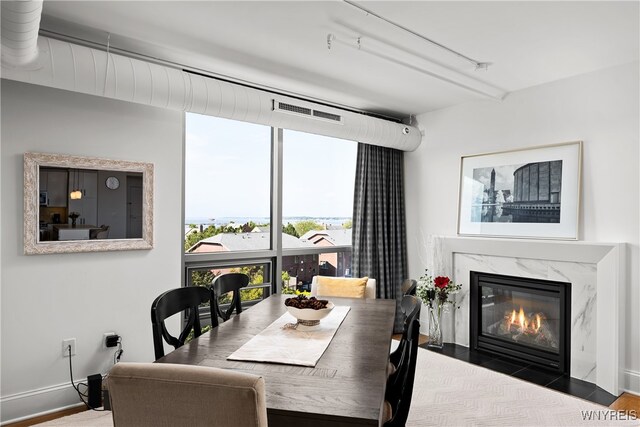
(32, 403)
(48, 416)
(632, 382)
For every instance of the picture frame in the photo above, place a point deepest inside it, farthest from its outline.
(531, 192)
(42, 221)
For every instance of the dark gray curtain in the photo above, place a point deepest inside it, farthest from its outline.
(379, 231)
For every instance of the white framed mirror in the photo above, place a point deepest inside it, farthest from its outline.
(86, 204)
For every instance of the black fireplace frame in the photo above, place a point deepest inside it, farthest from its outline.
(560, 362)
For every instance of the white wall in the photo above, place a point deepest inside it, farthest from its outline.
(599, 108)
(112, 204)
(46, 298)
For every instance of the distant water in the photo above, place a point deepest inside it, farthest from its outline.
(333, 220)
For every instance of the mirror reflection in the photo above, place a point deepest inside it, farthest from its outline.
(88, 204)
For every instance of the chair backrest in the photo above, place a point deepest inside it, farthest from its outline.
(369, 291)
(409, 287)
(103, 233)
(225, 283)
(175, 301)
(164, 394)
(400, 383)
(99, 233)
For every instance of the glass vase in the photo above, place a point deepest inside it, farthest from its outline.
(435, 327)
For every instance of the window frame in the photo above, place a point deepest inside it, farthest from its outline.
(273, 256)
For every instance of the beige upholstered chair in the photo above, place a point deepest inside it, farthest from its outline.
(99, 233)
(409, 287)
(103, 233)
(163, 394)
(369, 292)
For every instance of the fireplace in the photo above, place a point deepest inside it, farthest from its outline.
(521, 318)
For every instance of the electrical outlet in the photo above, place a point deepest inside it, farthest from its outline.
(105, 336)
(65, 347)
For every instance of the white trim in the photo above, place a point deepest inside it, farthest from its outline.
(40, 414)
(35, 391)
(37, 402)
(609, 260)
(632, 382)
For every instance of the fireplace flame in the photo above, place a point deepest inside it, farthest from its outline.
(520, 320)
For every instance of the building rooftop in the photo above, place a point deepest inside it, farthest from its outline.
(339, 237)
(246, 242)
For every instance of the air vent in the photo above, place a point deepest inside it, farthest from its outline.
(327, 116)
(294, 109)
(304, 111)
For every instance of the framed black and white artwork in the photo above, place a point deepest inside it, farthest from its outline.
(526, 193)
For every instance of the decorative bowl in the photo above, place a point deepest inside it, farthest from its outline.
(309, 316)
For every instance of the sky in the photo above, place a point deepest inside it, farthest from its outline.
(227, 171)
(504, 176)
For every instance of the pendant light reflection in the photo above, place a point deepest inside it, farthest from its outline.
(76, 194)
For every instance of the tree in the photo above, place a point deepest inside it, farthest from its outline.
(195, 237)
(212, 230)
(290, 230)
(285, 278)
(347, 224)
(256, 277)
(202, 278)
(302, 227)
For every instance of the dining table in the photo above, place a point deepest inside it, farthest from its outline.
(345, 387)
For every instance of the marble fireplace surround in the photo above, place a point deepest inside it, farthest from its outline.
(596, 274)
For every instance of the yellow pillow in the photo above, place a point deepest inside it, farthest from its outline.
(341, 287)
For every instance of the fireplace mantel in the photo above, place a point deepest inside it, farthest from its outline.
(454, 256)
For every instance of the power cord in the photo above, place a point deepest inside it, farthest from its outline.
(118, 353)
(81, 395)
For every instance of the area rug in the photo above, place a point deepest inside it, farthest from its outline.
(450, 392)
(82, 419)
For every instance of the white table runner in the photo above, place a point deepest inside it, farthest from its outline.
(290, 346)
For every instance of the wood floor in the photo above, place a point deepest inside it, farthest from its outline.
(627, 402)
(48, 417)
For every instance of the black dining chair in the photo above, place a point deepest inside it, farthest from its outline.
(409, 287)
(223, 284)
(187, 299)
(403, 359)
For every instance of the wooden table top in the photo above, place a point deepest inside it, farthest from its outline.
(76, 227)
(346, 386)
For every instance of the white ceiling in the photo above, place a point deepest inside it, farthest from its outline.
(283, 45)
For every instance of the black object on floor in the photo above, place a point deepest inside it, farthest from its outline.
(524, 371)
(95, 390)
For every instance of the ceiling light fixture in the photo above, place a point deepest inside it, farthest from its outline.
(75, 194)
(477, 64)
(426, 66)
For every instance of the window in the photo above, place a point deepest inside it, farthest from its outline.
(230, 174)
(227, 185)
(258, 289)
(317, 199)
(317, 185)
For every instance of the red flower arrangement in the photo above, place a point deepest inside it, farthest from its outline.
(441, 282)
(436, 289)
(434, 292)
